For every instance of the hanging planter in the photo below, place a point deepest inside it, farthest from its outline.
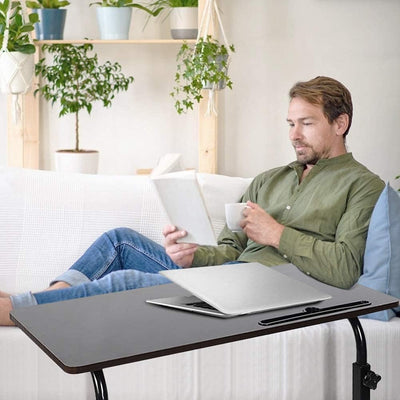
(17, 64)
(16, 72)
(203, 66)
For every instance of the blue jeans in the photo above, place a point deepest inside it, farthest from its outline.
(120, 259)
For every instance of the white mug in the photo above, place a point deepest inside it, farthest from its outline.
(233, 215)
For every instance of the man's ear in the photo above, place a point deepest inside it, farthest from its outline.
(342, 123)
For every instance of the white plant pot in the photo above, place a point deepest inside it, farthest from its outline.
(114, 22)
(183, 22)
(16, 72)
(84, 162)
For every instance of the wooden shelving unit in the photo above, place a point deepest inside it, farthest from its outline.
(130, 41)
(23, 138)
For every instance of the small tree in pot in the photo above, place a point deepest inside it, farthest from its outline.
(76, 80)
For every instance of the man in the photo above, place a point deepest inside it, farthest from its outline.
(313, 213)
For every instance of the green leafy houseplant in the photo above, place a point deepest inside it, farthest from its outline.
(76, 80)
(168, 4)
(47, 3)
(18, 37)
(183, 16)
(203, 66)
(125, 3)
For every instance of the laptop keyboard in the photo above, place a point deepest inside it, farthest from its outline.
(201, 304)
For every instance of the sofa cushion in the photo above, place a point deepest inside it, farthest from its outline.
(218, 190)
(382, 252)
(48, 219)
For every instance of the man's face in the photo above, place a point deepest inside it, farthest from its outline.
(311, 134)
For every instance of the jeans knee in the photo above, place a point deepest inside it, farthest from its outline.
(123, 235)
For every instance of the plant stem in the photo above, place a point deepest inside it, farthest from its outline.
(77, 131)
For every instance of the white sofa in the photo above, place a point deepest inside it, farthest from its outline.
(47, 220)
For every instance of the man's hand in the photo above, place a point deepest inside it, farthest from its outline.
(260, 227)
(181, 254)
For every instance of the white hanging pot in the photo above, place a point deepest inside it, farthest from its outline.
(84, 161)
(183, 22)
(114, 22)
(16, 72)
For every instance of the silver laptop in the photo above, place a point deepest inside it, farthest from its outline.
(235, 289)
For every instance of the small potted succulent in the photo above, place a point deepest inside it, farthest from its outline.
(114, 17)
(17, 48)
(203, 66)
(76, 80)
(183, 16)
(52, 18)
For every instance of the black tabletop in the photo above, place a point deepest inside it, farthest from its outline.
(93, 333)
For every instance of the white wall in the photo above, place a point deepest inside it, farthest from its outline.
(3, 129)
(277, 43)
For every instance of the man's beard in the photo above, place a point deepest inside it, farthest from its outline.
(307, 156)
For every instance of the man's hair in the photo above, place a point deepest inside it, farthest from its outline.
(329, 93)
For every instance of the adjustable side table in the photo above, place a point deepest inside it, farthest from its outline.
(81, 336)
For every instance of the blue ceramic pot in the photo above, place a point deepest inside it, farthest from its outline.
(52, 23)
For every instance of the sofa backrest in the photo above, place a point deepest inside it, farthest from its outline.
(48, 219)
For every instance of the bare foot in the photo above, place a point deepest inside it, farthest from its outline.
(58, 285)
(5, 308)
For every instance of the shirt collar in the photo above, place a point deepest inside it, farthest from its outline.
(342, 159)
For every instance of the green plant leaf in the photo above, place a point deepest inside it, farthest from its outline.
(18, 30)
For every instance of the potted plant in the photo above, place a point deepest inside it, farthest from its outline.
(114, 18)
(202, 66)
(76, 80)
(17, 49)
(52, 18)
(183, 17)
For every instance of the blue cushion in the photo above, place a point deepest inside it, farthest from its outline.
(382, 252)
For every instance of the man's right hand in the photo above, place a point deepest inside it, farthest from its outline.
(181, 254)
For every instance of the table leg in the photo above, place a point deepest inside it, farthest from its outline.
(100, 386)
(363, 378)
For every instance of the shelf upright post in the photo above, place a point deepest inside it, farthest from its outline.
(208, 126)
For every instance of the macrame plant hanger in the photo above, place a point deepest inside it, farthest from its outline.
(208, 19)
(18, 67)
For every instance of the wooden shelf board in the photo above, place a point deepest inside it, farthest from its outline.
(129, 41)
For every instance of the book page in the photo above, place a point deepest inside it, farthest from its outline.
(184, 205)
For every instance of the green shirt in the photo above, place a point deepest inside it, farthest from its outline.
(326, 219)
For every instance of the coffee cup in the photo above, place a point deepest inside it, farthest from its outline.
(233, 215)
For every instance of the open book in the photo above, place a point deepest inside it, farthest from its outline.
(183, 202)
